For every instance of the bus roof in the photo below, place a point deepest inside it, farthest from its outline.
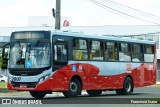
(106, 37)
(95, 36)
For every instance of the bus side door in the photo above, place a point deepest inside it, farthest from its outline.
(60, 60)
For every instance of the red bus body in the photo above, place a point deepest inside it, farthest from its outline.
(92, 78)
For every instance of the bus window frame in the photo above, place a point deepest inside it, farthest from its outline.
(116, 51)
(153, 45)
(141, 46)
(89, 48)
(106, 40)
(73, 48)
(53, 51)
(130, 43)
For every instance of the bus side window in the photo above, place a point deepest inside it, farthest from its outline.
(96, 50)
(77, 54)
(148, 53)
(125, 52)
(111, 51)
(80, 51)
(137, 53)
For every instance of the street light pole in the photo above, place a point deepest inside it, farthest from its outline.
(58, 15)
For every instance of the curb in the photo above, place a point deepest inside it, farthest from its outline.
(4, 90)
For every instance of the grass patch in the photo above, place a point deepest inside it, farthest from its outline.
(9, 91)
(157, 84)
(3, 89)
(3, 85)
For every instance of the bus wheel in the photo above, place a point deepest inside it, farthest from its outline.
(94, 92)
(38, 94)
(127, 87)
(74, 88)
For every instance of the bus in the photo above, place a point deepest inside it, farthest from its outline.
(43, 62)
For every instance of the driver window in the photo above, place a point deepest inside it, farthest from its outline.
(60, 53)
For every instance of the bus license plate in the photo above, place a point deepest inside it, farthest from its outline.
(23, 85)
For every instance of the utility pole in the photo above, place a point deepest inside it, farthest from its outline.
(58, 15)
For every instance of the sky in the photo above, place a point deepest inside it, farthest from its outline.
(15, 13)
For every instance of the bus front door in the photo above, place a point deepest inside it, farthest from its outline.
(60, 60)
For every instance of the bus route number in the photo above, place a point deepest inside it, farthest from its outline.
(16, 79)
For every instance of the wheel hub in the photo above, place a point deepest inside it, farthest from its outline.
(128, 87)
(73, 87)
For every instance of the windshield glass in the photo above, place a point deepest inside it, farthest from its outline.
(29, 54)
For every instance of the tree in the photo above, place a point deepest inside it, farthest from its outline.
(4, 61)
(0, 58)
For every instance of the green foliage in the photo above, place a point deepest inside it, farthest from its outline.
(3, 85)
(3, 62)
(0, 52)
(0, 58)
(0, 62)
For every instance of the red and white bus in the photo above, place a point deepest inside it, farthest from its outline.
(43, 62)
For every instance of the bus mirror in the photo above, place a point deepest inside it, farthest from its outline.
(5, 56)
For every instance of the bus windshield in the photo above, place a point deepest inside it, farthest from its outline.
(29, 54)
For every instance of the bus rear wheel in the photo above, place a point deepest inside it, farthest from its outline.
(94, 92)
(127, 87)
(74, 88)
(38, 94)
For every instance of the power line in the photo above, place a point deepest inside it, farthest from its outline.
(108, 9)
(141, 12)
(95, 2)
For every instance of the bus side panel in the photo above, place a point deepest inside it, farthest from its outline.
(83, 70)
(144, 75)
(111, 82)
(150, 74)
(136, 76)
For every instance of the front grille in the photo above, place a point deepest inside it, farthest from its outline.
(22, 73)
(28, 84)
(27, 71)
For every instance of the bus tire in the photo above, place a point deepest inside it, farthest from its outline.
(74, 88)
(94, 92)
(38, 94)
(127, 87)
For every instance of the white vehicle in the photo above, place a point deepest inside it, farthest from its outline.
(3, 78)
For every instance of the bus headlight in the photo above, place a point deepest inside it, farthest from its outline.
(46, 77)
(43, 78)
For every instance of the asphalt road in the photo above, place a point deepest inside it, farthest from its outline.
(108, 97)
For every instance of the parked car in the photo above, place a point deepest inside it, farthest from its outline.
(3, 78)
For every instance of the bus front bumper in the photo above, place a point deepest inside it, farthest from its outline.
(31, 86)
